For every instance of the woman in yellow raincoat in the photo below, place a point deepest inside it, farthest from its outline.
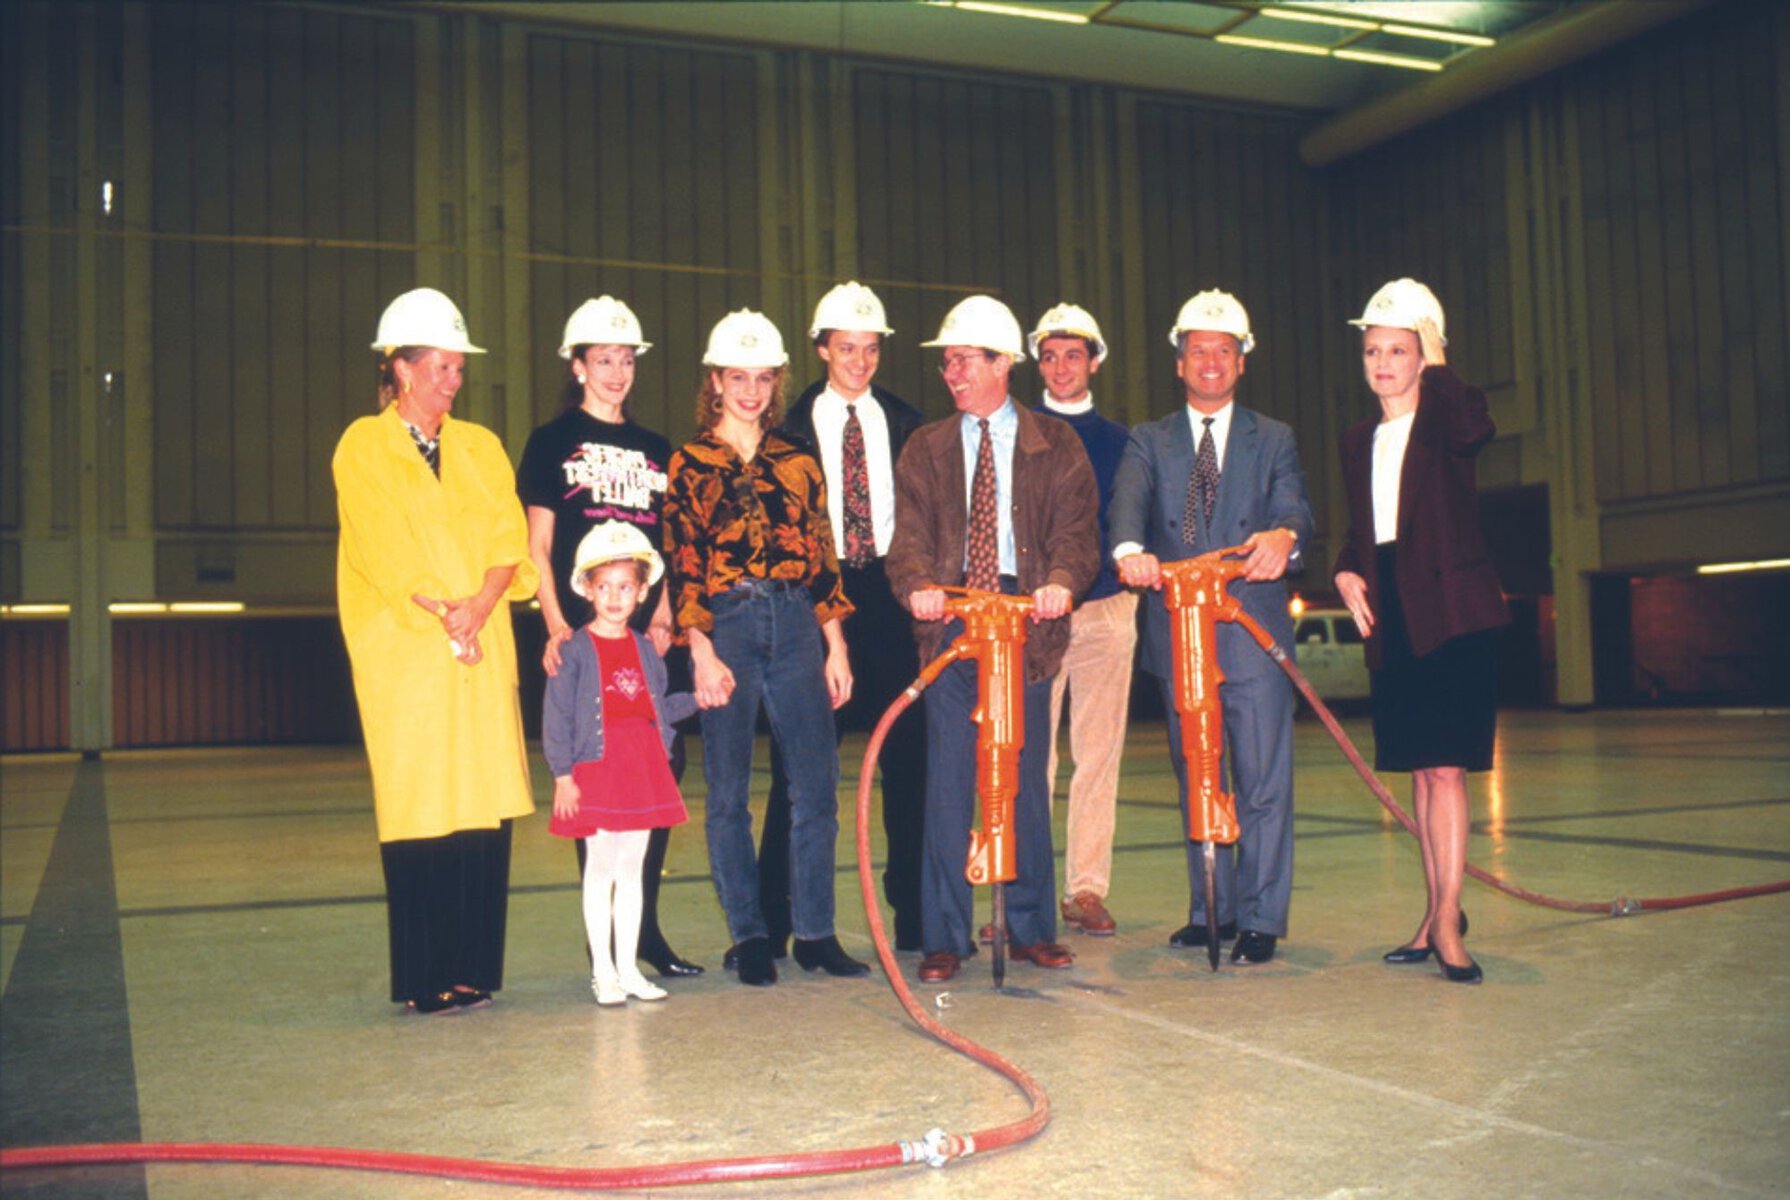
(433, 545)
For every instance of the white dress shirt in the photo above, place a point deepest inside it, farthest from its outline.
(829, 429)
(1221, 437)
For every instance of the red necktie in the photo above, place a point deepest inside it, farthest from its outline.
(860, 533)
(983, 558)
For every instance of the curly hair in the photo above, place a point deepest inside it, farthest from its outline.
(708, 400)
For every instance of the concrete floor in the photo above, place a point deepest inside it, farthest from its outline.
(193, 948)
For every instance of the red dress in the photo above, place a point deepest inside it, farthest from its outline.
(631, 786)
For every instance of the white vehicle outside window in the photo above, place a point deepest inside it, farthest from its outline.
(1330, 653)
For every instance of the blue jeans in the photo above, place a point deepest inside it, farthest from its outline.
(767, 636)
(947, 905)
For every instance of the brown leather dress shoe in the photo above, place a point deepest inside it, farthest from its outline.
(939, 966)
(1085, 912)
(1051, 955)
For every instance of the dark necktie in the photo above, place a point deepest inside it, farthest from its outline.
(983, 558)
(860, 534)
(1202, 487)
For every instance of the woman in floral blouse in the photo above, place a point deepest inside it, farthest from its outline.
(756, 593)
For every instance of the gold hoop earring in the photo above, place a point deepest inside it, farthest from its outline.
(407, 387)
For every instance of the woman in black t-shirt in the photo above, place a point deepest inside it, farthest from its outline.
(592, 463)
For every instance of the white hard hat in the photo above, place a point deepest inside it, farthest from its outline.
(1069, 320)
(984, 322)
(850, 306)
(612, 541)
(1217, 312)
(604, 321)
(745, 339)
(1400, 305)
(423, 317)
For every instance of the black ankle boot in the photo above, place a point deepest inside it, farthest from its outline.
(756, 967)
(826, 954)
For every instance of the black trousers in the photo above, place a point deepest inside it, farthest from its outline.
(446, 902)
(879, 640)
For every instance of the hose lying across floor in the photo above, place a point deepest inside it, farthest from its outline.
(936, 1149)
(1622, 906)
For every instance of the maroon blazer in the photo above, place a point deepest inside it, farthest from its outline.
(1446, 582)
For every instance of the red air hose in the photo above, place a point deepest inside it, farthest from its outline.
(1622, 906)
(936, 1149)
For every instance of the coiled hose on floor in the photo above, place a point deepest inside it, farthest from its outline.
(935, 1149)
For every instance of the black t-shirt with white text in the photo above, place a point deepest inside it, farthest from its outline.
(586, 471)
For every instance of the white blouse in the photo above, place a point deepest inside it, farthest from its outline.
(1390, 439)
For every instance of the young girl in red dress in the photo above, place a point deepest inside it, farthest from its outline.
(606, 730)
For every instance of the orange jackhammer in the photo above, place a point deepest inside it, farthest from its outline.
(994, 634)
(1196, 593)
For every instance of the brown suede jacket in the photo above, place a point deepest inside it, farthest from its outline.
(1056, 524)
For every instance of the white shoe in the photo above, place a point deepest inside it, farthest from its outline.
(639, 987)
(608, 992)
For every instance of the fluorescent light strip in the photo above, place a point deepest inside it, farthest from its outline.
(1729, 568)
(34, 610)
(1388, 60)
(1014, 10)
(1312, 18)
(130, 608)
(1232, 39)
(1440, 35)
(206, 606)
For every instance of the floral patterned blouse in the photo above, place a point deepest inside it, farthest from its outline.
(728, 521)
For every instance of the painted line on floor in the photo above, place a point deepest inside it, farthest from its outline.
(66, 1068)
(1417, 1099)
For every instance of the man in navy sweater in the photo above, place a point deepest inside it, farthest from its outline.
(1096, 670)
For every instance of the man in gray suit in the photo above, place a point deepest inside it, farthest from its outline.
(1210, 476)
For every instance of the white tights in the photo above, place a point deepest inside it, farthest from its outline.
(612, 897)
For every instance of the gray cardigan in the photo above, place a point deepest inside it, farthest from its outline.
(572, 714)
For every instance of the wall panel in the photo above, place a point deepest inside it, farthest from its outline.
(34, 685)
(659, 209)
(957, 183)
(270, 125)
(1684, 270)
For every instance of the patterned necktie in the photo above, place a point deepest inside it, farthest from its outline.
(1202, 487)
(983, 560)
(860, 534)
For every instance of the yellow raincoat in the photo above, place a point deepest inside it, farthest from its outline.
(444, 739)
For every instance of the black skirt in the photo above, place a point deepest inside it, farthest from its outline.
(1439, 710)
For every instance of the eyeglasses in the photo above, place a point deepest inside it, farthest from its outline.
(962, 362)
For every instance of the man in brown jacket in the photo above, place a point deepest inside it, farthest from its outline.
(1000, 498)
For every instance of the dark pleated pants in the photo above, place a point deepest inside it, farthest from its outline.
(446, 901)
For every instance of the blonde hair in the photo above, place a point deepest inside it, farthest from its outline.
(388, 375)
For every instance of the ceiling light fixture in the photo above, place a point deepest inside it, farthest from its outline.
(135, 608)
(34, 610)
(206, 606)
(1440, 35)
(1232, 39)
(1015, 10)
(1729, 568)
(1389, 60)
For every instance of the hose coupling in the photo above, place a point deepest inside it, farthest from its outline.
(934, 1149)
(1624, 907)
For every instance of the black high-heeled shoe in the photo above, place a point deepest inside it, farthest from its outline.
(1467, 974)
(1407, 954)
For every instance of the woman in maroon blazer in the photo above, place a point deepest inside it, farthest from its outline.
(1415, 573)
